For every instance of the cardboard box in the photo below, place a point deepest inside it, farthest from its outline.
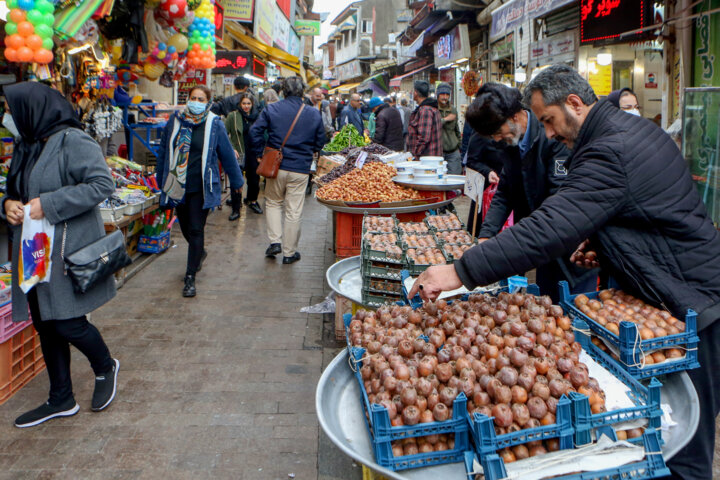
(327, 162)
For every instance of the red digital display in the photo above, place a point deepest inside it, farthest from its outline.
(607, 19)
(237, 62)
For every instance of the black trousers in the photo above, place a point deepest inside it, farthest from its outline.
(192, 217)
(694, 461)
(56, 336)
(253, 179)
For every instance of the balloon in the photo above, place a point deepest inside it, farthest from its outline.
(11, 55)
(47, 43)
(34, 16)
(11, 28)
(161, 54)
(12, 4)
(44, 31)
(153, 70)
(26, 4)
(43, 56)
(24, 54)
(171, 50)
(17, 15)
(44, 6)
(14, 41)
(48, 19)
(34, 42)
(25, 29)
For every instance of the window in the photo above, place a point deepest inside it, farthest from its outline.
(367, 26)
(353, 35)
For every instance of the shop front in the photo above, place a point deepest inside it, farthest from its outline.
(452, 59)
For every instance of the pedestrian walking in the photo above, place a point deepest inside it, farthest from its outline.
(187, 171)
(406, 111)
(450, 130)
(317, 98)
(299, 131)
(425, 126)
(60, 173)
(238, 125)
(388, 125)
(629, 190)
(232, 103)
(352, 114)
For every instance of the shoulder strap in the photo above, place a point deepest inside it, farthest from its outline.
(292, 127)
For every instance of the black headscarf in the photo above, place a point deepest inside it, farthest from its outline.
(38, 112)
(614, 96)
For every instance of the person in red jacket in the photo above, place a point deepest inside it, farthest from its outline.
(425, 127)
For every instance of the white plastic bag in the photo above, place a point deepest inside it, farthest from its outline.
(35, 251)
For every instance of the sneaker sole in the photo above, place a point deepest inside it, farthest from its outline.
(66, 413)
(112, 397)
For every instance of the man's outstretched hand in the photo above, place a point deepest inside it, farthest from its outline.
(582, 257)
(435, 280)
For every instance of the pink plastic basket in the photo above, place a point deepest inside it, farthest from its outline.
(7, 327)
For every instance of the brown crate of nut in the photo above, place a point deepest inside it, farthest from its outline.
(455, 252)
(375, 224)
(455, 237)
(382, 247)
(448, 221)
(419, 259)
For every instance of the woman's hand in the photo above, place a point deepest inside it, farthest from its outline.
(36, 211)
(14, 212)
(493, 177)
(435, 280)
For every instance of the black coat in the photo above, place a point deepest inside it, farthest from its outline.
(629, 190)
(527, 180)
(389, 128)
(484, 155)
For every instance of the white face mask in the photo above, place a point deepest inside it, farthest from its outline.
(9, 123)
(634, 111)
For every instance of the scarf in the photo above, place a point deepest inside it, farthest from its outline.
(38, 112)
(174, 186)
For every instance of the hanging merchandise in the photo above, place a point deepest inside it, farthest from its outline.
(101, 119)
(202, 37)
(29, 31)
(71, 19)
(126, 22)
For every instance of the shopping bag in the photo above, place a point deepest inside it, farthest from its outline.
(36, 244)
(487, 197)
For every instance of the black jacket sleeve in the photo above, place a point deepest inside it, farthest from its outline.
(380, 128)
(499, 210)
(594, 192)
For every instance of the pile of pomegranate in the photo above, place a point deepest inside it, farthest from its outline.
(513, 356)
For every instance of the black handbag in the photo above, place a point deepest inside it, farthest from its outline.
(96, 261)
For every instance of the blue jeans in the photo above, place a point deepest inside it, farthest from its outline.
(454, 162)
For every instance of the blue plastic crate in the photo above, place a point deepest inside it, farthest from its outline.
(652, 466)
(155, 243)
(488, 442)
(646, 398)
(631, 348)
(382, 433)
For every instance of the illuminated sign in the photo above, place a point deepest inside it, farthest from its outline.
(236, 62)
(608, 19)
(452, 47)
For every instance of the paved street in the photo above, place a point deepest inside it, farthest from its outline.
(220, 386)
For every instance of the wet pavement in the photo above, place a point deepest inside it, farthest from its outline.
(219, 386)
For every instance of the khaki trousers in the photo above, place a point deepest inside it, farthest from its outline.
(285, 193)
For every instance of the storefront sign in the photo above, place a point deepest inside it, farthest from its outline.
(513, 14)
(309, 28)
(284, 6)
(293, 44)
(280, 29)
(502, 49)
(264, 19)
(259, 68)
(239, 10)
(219, 22)
(348, 70)
(236, 62)
(453, 46)
(608, 19)
(707, 47)
(327, 74)
(548, 50)
(189, 81)
(600, 78)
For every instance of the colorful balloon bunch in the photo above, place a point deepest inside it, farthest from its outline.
(202, 36)
(163, 53)
(29, 31)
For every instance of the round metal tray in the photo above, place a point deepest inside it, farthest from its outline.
(386, 210)
(338, 407)
(448, 182)
(344, 278)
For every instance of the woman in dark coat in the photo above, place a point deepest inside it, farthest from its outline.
(59, 173)
(238, 125)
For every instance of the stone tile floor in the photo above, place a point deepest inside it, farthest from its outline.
(220, 386)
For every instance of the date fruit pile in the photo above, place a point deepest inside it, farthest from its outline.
(513, 356)
(372, 183)
(343, 169)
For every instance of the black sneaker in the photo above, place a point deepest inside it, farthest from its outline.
(47, 412)
(235, 215)
(189, 288)
(294, 258)
(255, 207)
(105, 388)
(273, 250)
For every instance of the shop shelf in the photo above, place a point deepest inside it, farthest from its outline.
(8, 328)
(155, 243)
(652, 466)
(20, 361)
(646, 398)
(382, 433)
(631, 348)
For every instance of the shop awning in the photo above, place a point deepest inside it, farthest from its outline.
(396, 81)
(263, 50)
(378, 84)
(344, 89)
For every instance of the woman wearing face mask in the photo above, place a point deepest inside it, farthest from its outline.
(59, 172)
(187, 171)
(238, 125)
(626, 100)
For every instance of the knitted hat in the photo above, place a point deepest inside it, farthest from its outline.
(443, 88)
(374, 102)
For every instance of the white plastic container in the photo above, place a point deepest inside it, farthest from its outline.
(406, 169)
(436, 161)
(426, 171)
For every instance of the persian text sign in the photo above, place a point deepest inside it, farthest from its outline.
(240, 10)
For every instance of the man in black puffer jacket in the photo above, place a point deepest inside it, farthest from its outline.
(630, 192)
(388, 125)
